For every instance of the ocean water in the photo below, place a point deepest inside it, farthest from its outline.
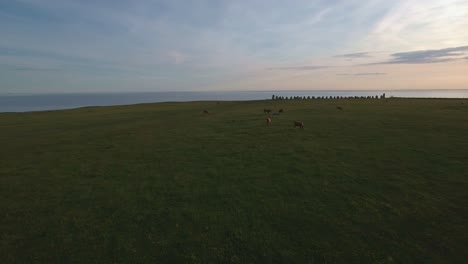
(41, 102)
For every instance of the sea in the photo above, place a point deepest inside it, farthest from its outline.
(42, 102)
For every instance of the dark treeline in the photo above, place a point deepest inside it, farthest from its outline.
(276, 97)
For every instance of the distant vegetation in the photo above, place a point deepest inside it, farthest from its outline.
(376, 181)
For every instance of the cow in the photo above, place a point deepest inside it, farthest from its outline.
(339, 108)
(268, 121)
(281, 110)
(206, 112)
(298, 124)
(267, 111)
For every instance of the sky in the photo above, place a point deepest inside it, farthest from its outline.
(232, 45)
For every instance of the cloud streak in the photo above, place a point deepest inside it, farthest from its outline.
(354, 55)
(28, 68)
(297, 68)
(427, 56)
(362, 74)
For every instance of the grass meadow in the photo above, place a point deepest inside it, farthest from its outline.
(381, 181)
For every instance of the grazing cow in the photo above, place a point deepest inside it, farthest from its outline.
(339, 108)
(268, 120)
(298, 124)
(206, 112)
(281, 110)
(267, 111)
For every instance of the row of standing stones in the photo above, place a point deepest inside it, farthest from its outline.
(276, 97)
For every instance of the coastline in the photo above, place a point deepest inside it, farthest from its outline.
(61, 101)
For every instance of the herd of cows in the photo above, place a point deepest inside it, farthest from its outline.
(269, 119)
(299, 124)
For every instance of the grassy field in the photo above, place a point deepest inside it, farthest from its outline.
(378, 182)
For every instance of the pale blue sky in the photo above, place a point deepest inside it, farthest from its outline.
(145, 45)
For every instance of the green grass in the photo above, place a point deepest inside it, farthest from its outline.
(379, 182)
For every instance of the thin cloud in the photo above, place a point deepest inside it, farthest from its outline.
(33, 69)
(362, 74)
(28, 68)
(427, 56)
(370, 74)
(354, 55)
(297, 68)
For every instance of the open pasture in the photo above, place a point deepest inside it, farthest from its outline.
(373, 181)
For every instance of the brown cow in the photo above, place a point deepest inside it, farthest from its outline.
(339, 108)
(281, 110)
(298, 124)
(268, 120)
